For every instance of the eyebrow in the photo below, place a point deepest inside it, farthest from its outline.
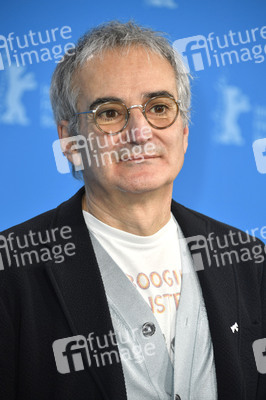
(149, 95)
(146, 95)
(101, 100)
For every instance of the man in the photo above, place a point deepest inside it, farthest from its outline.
(101, 298)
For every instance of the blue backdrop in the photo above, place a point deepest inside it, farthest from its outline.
(224, 46)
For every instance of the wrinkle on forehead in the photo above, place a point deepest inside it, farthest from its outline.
(137, 56)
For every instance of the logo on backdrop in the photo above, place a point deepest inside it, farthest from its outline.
(259, 150)
(40, 46)
(17, 52)
(195, 52)
(200, 52)
(232, 103)
(15, 84)
(162, 3)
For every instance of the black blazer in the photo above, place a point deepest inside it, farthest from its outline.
(44, 300)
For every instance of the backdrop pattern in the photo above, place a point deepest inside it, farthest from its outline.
(224, 47)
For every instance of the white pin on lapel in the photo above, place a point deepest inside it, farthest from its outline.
(234, 327)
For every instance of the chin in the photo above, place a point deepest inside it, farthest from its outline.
(136, 190)
(142, 185)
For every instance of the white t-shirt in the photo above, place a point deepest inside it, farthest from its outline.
(151, 263)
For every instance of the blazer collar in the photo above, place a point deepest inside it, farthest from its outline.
(80, 291)
(219, 289)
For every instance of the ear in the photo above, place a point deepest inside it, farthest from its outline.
(67, 143)
(185, 138)
(62, 129)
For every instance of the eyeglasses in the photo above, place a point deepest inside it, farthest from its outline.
(112, 117)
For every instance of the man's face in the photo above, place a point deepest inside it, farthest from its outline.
(132, 77)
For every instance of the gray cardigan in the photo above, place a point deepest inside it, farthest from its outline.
(148, 371)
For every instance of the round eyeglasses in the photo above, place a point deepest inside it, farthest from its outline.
(112, 117)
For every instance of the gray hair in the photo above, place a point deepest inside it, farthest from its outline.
(64, 93)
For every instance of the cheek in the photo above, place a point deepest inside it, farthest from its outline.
(175, 152)
(104, 153)
(176, 144)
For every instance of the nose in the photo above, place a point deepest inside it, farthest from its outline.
(139, 129)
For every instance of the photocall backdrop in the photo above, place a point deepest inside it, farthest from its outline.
(224, 46)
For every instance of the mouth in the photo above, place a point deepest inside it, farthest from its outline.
(139, 158)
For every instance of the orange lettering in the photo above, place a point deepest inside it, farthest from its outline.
(176, 277)
(176, 297)
(159, 279)
(158, 304)
(167, 280)
(140, 281)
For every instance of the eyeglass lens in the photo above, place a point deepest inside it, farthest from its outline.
(160, 112)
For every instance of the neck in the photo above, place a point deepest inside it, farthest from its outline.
(140, 214)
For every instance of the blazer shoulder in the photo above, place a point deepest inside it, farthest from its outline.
(39, 241)
(46, 220)
(206, 223)
(40, 222)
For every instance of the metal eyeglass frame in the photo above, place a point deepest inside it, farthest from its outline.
(143, 107)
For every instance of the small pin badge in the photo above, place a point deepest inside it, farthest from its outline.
(234, 327)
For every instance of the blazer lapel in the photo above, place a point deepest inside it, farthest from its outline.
(222, 305)
(79, 288)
